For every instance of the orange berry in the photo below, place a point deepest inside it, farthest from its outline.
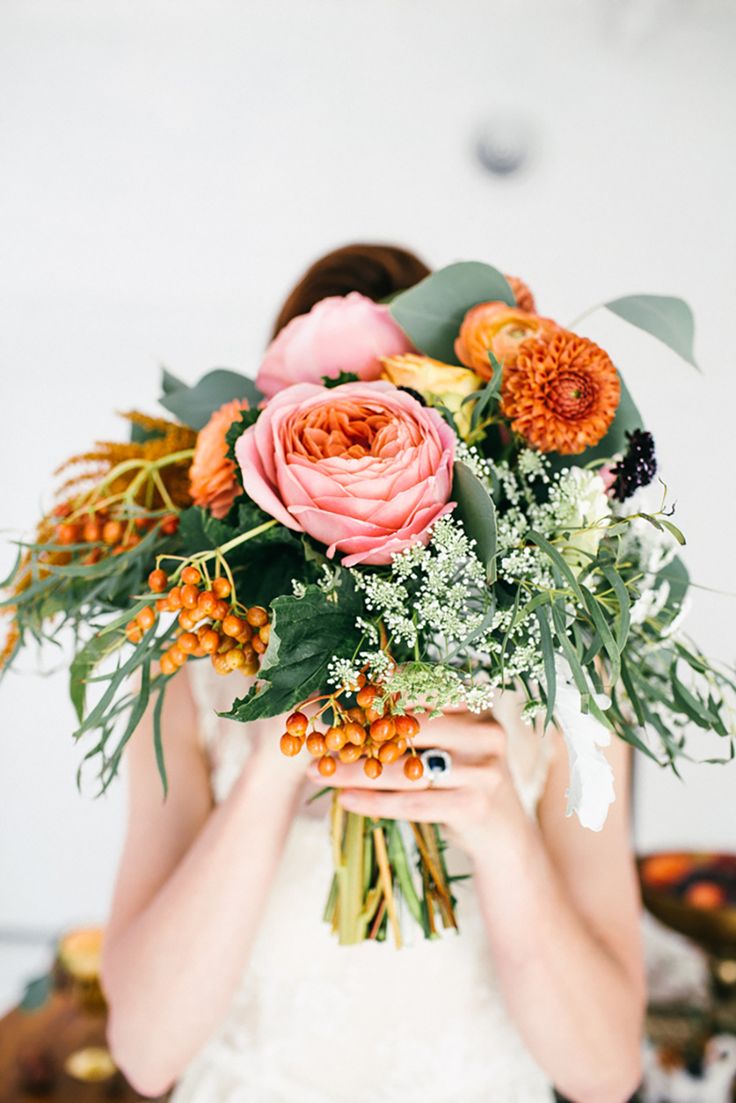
(142, 523)
(327, 766)
(413, 768)
(402, 744)
(366, 696)
(133, 631)
(220, 664)
(372, 714)
(187, 619)
(372, 768)
(92, 557)
(316, 744)
(235, 658)
(206, 603)
(264, 633)
(257, 616)
(63, 509)
(258, 645)
(112, 532)
(382, 729)
(357, 715)
(297, 723)
(91, 531)
(246, 634)
(169, 524)
(232, 625)
(210, 641)
(349, 753)
(157, 581)
(188, 642)
(362, 681)
(175, 597)
(335, 738)
(355, 733)
(220, 610)
(131, 540)
(67, 533)
(191, 576)
(178, 656)
(162, 605)
(389, 752)
(168, 666)
(226, 644)
(189, 595)
(290, 744)
(407, 726)
(221, 587)
(250, 668)
(146, 618)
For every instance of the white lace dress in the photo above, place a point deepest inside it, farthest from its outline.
(314, 1022)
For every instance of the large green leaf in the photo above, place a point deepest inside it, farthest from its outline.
(665, 317)
(431, 312)
(195, 405)
(306, 633)
(477, 514)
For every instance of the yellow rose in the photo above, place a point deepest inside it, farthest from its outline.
(440, 384)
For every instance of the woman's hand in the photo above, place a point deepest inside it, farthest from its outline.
(476, 801)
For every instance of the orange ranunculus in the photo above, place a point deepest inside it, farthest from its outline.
(212, 476)
(497, 328)
(522, 294)
(560, 392)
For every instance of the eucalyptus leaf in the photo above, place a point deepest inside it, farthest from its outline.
(195, 405)
(665, 317)
(431, 312)
(477, 514)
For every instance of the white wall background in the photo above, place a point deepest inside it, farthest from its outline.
(169, 167)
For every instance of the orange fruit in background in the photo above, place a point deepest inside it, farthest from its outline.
(706, 895)
(662, 870)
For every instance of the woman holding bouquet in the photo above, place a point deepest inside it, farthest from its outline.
(222, 979)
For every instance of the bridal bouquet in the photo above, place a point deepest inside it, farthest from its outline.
(418, 505)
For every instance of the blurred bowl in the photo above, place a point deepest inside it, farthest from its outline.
(693, 893)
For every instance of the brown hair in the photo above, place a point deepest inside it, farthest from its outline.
(373, 270)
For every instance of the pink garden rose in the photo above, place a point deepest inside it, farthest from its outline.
(363, 467)
(349, 334)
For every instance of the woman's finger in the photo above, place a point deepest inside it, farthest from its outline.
(351, 776)
(423, 806)
(475, 740)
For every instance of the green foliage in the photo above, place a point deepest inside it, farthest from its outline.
(665, 317)
(195, 405)
(244, 421)
(306, 632)
(340, 378)
(477, 514)
(431, 312)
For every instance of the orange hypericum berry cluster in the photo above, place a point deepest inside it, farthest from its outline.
(369, 730)
(210, 623)
(108, 535)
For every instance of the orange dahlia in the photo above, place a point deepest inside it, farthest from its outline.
(497, 328)
(560, 392)
(522, 294)
(212, 478)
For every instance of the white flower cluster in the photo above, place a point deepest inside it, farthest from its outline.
(438, 588)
